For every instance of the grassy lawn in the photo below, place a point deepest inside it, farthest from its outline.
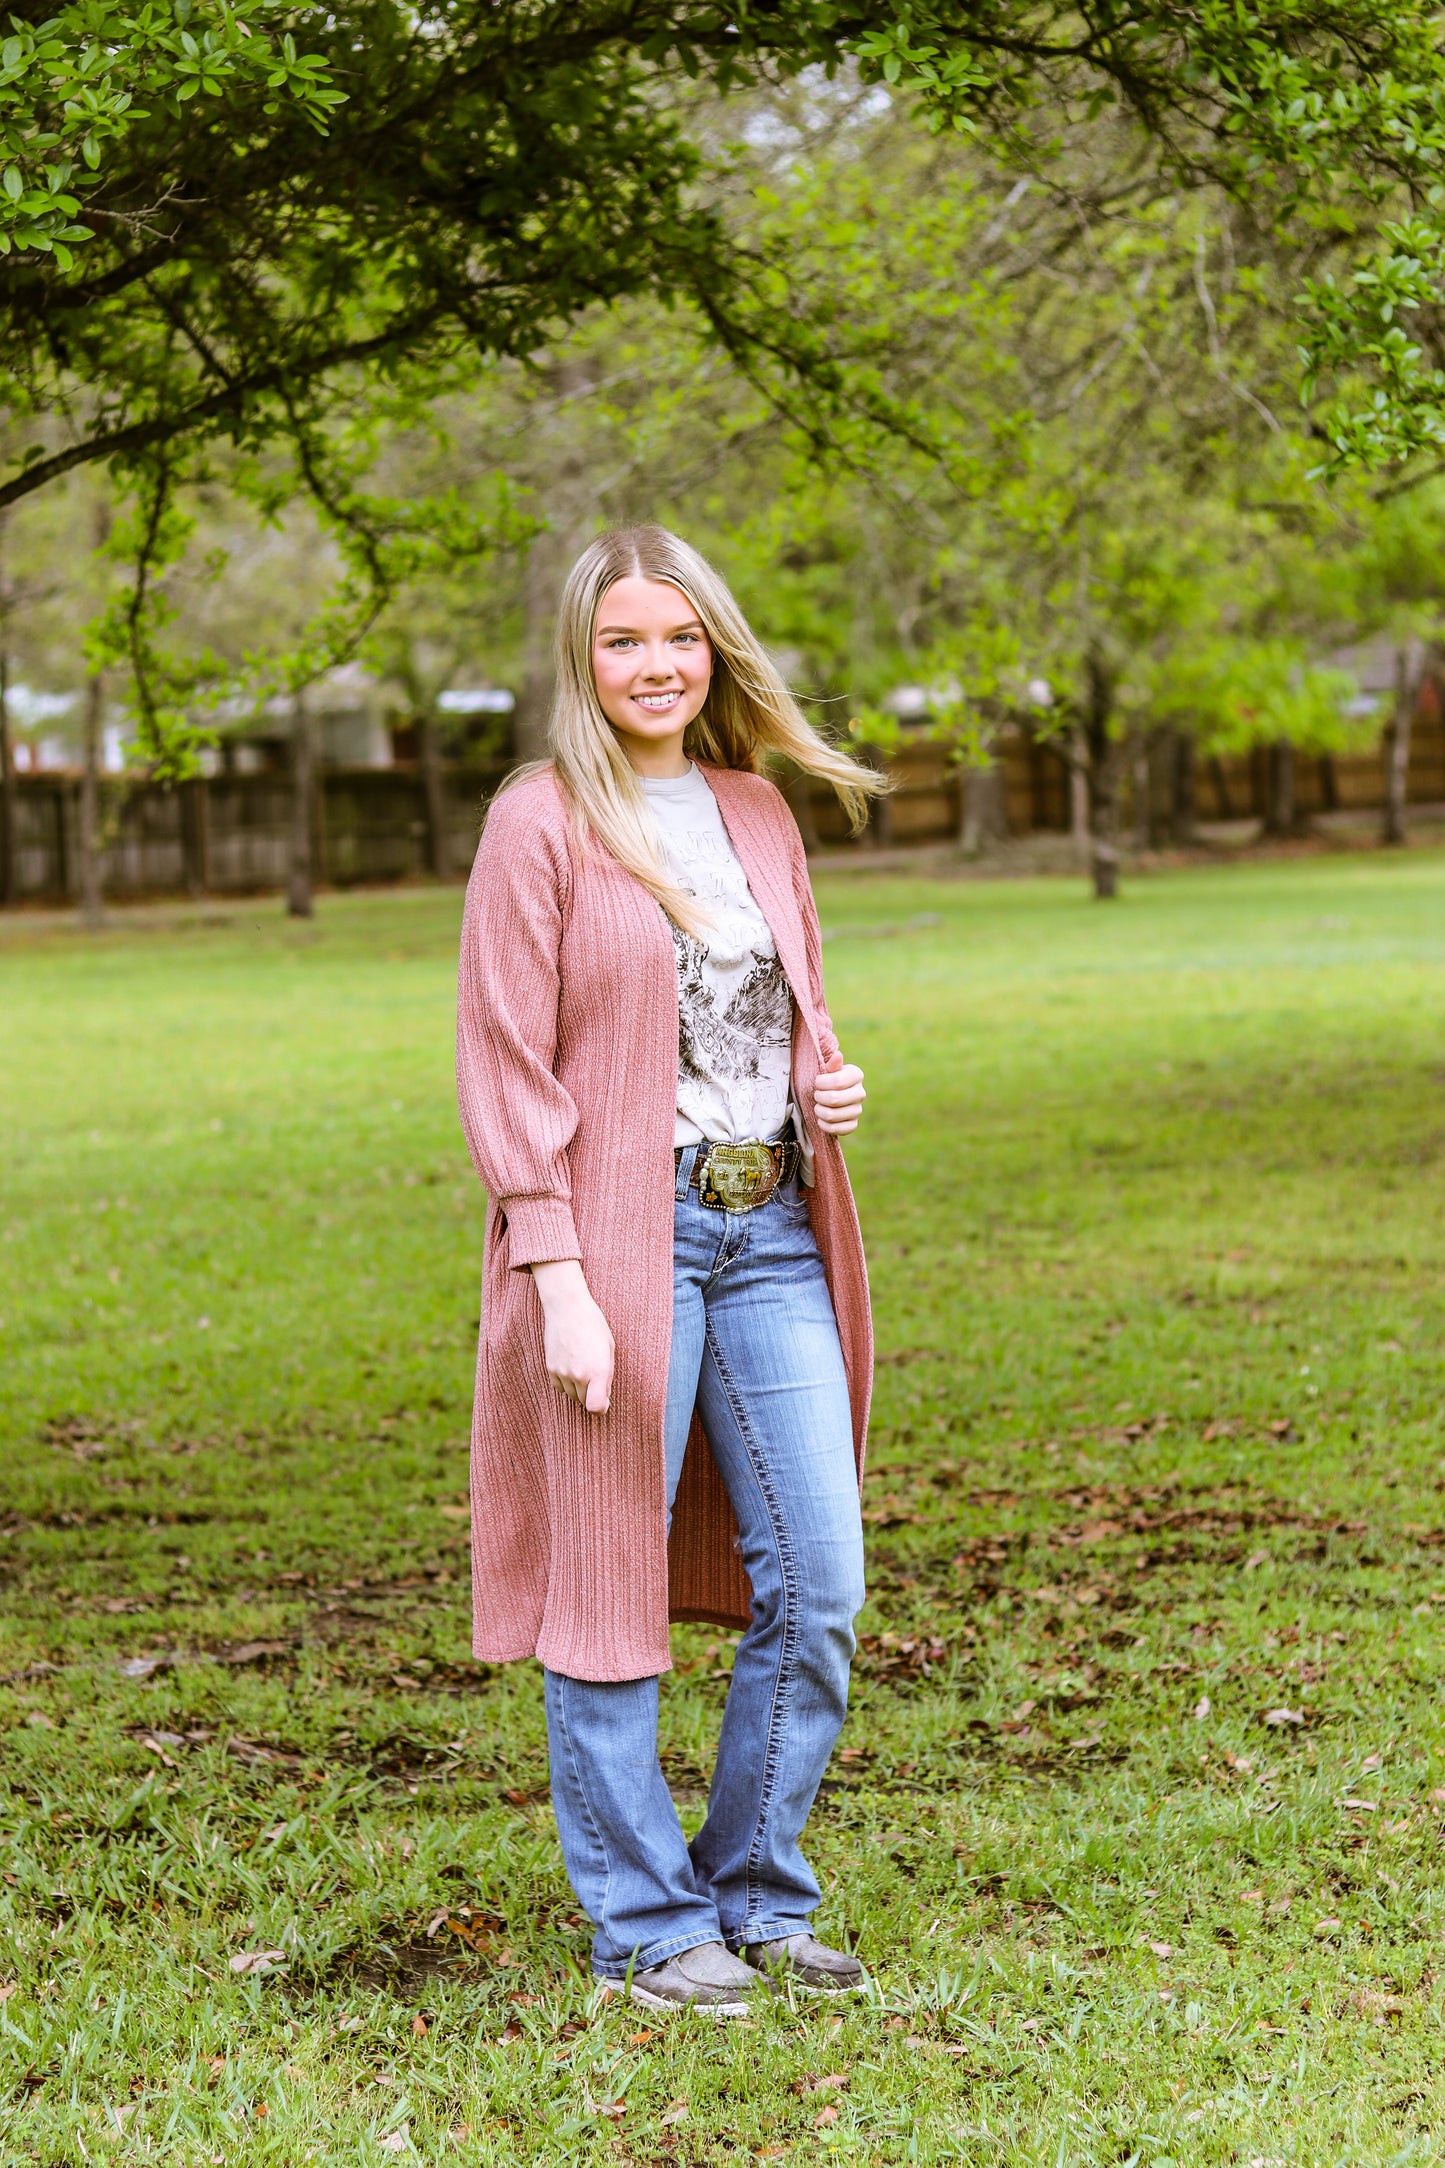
(1137, 1815)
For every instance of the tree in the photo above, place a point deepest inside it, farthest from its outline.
(207, 248)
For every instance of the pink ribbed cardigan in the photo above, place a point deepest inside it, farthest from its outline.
(567, 1077)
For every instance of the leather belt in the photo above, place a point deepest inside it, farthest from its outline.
(740, 1177)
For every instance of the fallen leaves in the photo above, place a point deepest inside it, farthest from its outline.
(832, 2081)
(256, 1751)
(1277, 1719)
(477, 1930)
(887, 1656)
(252, 1652)
(890, 1512)
(1323, 1930)
(252, 1961)
(79, 1435)
(165, 1745)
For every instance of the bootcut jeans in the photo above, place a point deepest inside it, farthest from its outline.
(755, 1349)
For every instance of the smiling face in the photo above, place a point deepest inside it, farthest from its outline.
(652, 665)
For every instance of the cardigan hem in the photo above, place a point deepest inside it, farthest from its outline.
(696, 1615)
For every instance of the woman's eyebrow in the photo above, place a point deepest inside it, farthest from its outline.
(691, 624)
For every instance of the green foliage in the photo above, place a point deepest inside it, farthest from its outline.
(269, 234)
(1161, 1299)
(1237, 693)
(71, 88)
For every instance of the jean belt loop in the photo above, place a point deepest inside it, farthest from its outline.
(685, 1166)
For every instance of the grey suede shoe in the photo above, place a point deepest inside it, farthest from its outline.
(707, 1977)
(809, 1963)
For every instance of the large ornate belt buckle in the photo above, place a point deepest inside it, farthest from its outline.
(737, 1177)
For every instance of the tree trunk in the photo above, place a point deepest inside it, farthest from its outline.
(571, 508)
(1182, 802)
(1408, 664)
(1280, 815)
(798, 792)
(9, 805)
(1142, 787)
(1103, 779)
(1079, 795)
(299, 901)
(429, 760)
(1221, 787)
(985, 811)
(92, 913)
(541, 587)
(1329, 784)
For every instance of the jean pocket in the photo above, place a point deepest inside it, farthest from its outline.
(792, 1199)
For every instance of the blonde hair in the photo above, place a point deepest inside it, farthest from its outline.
(749, 711)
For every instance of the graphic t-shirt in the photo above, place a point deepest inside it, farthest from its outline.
(734, 1004)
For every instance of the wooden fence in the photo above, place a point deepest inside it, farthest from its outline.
(230, 834)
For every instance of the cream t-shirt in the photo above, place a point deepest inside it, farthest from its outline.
(734, 1004)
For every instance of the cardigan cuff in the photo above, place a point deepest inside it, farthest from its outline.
(540, 1230)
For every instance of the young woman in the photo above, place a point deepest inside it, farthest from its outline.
(676, 1351)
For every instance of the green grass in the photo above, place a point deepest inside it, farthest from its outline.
(1156, 1214)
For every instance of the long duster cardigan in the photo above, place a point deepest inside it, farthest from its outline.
(567, 1042)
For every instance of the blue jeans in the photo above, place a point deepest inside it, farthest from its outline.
(755, 1348)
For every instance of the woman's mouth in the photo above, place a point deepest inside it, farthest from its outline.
(658, 703)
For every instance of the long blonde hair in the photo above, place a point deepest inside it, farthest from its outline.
(749, 711)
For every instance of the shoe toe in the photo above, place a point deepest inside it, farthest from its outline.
(710, 1964)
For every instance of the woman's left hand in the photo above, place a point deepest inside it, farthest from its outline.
(838, 1096)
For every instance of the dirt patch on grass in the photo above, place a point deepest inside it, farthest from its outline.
(402, 1968)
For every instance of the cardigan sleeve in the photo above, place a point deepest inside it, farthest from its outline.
(812, 943)
(517, 1117)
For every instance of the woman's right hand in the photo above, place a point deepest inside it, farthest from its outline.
(577, 1339)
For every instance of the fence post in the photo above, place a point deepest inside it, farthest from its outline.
(90, 887)
(434, 812)
(196, 833)
(1408, 660)
(303, 819)
(9, 807)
